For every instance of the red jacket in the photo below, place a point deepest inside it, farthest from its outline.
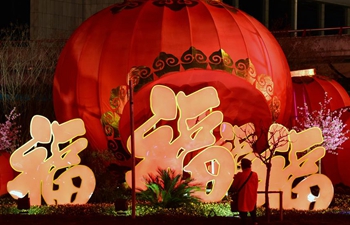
(248, 194)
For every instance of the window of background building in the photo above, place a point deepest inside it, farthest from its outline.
(14, 11)
(308, 15)
(253, 8)
(334, 17)
(280, 15)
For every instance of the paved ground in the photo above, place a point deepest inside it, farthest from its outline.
(105, 220)
(303, 219)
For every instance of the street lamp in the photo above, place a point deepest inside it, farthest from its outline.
(131, 76)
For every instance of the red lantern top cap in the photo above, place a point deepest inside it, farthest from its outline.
(301, 73)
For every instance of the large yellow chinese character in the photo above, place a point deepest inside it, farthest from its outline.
(214, 160)
(196, 121)
(201, 169)
(287, 167)
(286, 171)
(38, 170)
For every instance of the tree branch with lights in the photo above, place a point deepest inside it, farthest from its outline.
(10, 133)
(334, 130)
(277, 137)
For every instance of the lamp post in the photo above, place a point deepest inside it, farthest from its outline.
(132, 140)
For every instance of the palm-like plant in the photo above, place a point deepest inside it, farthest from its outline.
(168, 190)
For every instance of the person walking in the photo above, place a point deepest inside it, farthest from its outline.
(247, 184)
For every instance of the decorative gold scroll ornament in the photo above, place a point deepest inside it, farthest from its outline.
(191, 59)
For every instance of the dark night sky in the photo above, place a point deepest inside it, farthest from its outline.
(17, 11)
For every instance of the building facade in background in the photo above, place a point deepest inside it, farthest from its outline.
(59, 18)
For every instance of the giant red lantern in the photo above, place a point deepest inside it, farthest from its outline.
(311, 90)
(161, 39)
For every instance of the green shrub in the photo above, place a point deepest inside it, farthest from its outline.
(168, 190)
(192, 209)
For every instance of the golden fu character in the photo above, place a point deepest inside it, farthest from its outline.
(37, 170)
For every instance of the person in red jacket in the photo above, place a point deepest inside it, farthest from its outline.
(248, 193)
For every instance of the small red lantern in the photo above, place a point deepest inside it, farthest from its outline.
(6, 172)
(161, 38)
(311, 89)
(344, 153)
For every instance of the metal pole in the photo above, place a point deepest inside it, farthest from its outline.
(321, 15)
(235, 3)
(83, 7)
(266, 12)
(295, 16)
(347, 19)
(281, 205)
(131, 100)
